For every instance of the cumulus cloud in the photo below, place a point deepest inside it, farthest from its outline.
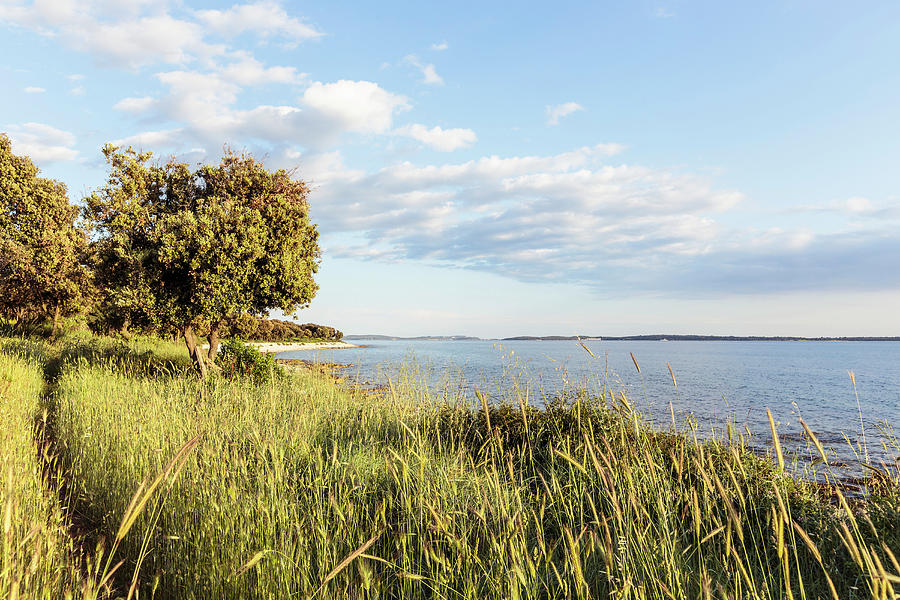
(429, 74)
(444, 140)
(247, 71)
(196, 97)
(150, 140)
(146, 40)
(34, 90)
(205, 103)
(440, 47)
(138, 33)
(859, 204)
(43, 143)
(555, 113)
(135, 105)
(131, 41)
(263, 18)
(200, 96)
(575, 217)
(359, 106)
(568, 216)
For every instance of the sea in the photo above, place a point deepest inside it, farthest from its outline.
(716, 388)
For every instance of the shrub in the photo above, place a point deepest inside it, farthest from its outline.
(239, 359)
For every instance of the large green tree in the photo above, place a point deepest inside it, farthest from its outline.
(179, 248)
(42, 273)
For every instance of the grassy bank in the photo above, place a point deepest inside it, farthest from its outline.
(298, 488)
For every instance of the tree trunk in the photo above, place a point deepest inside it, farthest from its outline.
(55, 320)
(213, 341)
(123, 330)
(194, 351)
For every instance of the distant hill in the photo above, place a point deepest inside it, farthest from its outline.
(630, 338)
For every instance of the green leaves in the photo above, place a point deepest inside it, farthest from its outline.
(239, 359)
(41, 247)
(202, 246)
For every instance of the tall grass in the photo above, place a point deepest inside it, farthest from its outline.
(35, 549)
(299, 488)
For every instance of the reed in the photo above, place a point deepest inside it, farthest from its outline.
(301, 488)
(36, 552)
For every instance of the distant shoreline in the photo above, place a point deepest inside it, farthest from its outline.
(630, 338)
(704, 338)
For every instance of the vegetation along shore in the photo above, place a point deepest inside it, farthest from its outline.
(125, 472)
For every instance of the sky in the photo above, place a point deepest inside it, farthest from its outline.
(514, 168)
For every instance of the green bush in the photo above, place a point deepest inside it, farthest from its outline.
(238, 359)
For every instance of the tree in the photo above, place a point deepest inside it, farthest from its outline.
(42, 271)
(178, 248)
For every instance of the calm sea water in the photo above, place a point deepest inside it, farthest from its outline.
(717, 381)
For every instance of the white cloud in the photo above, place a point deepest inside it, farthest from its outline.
(858, 204)
(43, 143)
(663, 13)
(131, 40)
(263, 18)
(150, 140)
(147, 40)
(857, 207)
(126, 39)
(573, 217)
(75, 77)
(568, 216)
(139, 33)
(444, 140)
(77, 91)
(249, 71)
(440, 47)
(429, 74)
(205, 104)
(358, 106)
(135, 105)
(328, 166)
(555, 113)
(197, 98)
(205, 99)
(34, 90)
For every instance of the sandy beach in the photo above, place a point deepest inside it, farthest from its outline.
(276, 347)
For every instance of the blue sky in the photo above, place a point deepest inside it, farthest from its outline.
(498, 169)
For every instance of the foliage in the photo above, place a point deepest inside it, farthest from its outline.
(238, 358)
(41, 248)
(177, 248)
(248, 327)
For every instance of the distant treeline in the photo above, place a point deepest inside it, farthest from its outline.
(701, 338)
(249, 327)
